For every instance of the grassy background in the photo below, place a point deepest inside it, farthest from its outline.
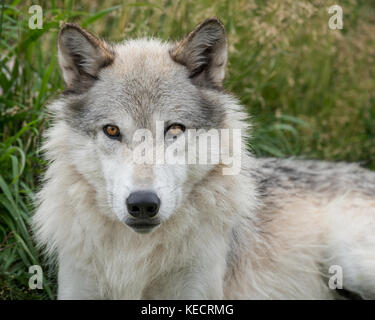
(309, 89)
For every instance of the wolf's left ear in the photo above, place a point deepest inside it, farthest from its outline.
(81, 56)
(204, 52)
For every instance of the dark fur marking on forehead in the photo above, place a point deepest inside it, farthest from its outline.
(212, 113)
(74, 113)
(140, 101)
(85, 83)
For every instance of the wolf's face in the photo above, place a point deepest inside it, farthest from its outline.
(140, 98)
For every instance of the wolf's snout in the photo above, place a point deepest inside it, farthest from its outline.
(143, 204)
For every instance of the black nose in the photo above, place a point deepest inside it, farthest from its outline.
(143, 204)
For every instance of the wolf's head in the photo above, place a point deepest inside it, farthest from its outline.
(165, 89)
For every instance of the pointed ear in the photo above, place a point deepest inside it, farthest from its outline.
(204, 52)
(81, 56)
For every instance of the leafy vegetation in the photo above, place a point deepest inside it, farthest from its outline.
(309, 89)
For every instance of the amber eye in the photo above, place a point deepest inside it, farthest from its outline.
(111, 131)
(174, 130)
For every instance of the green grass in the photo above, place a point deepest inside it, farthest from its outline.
(310, 90)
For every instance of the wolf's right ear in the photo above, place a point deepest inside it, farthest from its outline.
(81, 56)
(204, 53)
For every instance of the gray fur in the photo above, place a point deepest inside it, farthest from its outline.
(81, 56)
(187, 103)
(332, 178)
(204, 53)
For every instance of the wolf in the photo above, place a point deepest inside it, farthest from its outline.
(118, 229)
